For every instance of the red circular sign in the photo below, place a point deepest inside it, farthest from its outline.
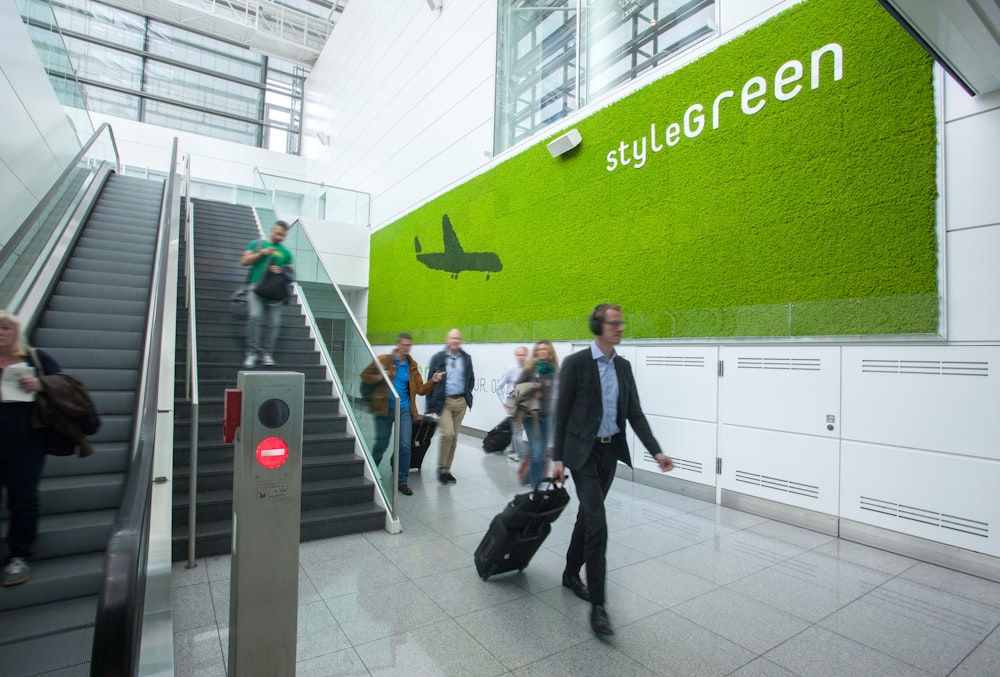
(272, 453)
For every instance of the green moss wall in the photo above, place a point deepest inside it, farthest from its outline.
(814, 215)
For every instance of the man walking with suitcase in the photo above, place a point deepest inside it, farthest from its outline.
(597, 395)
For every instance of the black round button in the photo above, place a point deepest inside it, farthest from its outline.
(273, 413)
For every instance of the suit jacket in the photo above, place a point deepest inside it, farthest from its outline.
(579, 409)
(435, 401)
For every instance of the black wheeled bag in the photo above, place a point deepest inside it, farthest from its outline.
(423, 431)
(516, 534)
(498, 438)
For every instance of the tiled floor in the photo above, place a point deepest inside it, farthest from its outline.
(694, 589)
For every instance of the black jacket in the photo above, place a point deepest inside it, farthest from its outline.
(435, 401)
(579, 410)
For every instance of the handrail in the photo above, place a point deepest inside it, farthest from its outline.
(11, 248)
(371, 351)
(191, 372)
(118, 624)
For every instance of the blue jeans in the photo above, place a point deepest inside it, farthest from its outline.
(263, 323)
(383, 435)
(538, 435)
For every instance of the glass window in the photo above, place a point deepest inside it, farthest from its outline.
(207, 124)
(185, 86)
(555, 56)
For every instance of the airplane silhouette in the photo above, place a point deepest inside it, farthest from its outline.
(454, 259)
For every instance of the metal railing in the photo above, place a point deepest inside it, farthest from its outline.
(118, 624)
(191, 391)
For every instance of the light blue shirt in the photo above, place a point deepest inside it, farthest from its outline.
(609, 391)
(454, 383)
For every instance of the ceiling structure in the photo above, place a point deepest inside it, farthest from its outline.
(296, 30)
(963, 35)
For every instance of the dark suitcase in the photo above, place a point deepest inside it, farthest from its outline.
(519, 530)
(423, 431)
(499, 437)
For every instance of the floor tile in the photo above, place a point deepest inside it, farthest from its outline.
(351, 545)
(441, 649)
(181, 576)
(384, 611)
(461, 523)
(318, 632)
(589, 659)
(740, 619)
(344, 663)
(198, 652)
(957, 615)
(668, 644)
(660, 583)
(734, 519)
(414, 531)
(192, 607)
(463, 591)
(866, 556)
(761, 667)
(789, 533)
(707, 561)
(523, 631)
(829, 572)
(821, 652)
(624, 605)
(954, 583)
(428, 557)
(792, 595)
(650, 540)
(333, 578)
(982, 661)
(757, 548)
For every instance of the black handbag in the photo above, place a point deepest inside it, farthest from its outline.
(271, 286)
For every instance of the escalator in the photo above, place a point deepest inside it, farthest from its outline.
(93, 323)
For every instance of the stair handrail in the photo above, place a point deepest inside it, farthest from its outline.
(333, 370)
(191, 390)
(10, 248)
(118, 623)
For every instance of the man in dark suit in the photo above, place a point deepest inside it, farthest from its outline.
(597, 394)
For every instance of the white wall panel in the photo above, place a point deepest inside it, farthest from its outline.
(733, 14)
(972, 163)
(792, 388)
(692, 445)
(678, 381)
(798, 470)
(942, 398)
(939, 497)
(958, 104)
(973, 284)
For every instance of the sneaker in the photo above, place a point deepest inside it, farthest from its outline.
(16, 572)
(512, 455)
(267, 360)
(251, 360)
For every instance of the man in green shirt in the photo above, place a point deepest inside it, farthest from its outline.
(265, 256)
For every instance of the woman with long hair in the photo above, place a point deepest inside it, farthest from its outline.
(541, 369)
(21, 454)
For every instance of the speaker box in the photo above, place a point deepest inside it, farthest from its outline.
(564, 143)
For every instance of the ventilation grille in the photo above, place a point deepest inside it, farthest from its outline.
(779, 363)
(674, 361)
(930, 367)
(679, 463)
(778, 484)
(924, 516)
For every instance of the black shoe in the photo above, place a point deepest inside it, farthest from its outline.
(573, 582)
(599, 621)
(443, 476)
(451, 478)
(405, 490)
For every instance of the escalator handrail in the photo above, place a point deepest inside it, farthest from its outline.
(191, 374)
(11, 245)
(118, 624)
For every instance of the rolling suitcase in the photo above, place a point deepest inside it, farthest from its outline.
(519, 530)
(499, 437)
(423, 431)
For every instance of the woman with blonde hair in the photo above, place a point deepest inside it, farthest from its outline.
(21, 454)
(541, 368)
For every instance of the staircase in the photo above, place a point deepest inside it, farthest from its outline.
(93, 325)
(336, 497)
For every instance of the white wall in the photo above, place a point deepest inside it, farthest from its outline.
(405, 95)
(38, 141)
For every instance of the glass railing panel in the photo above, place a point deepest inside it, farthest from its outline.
(315, 201)
(343, 342)
(35, 237)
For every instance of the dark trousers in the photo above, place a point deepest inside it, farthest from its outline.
(589, 543)
(20, 473)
